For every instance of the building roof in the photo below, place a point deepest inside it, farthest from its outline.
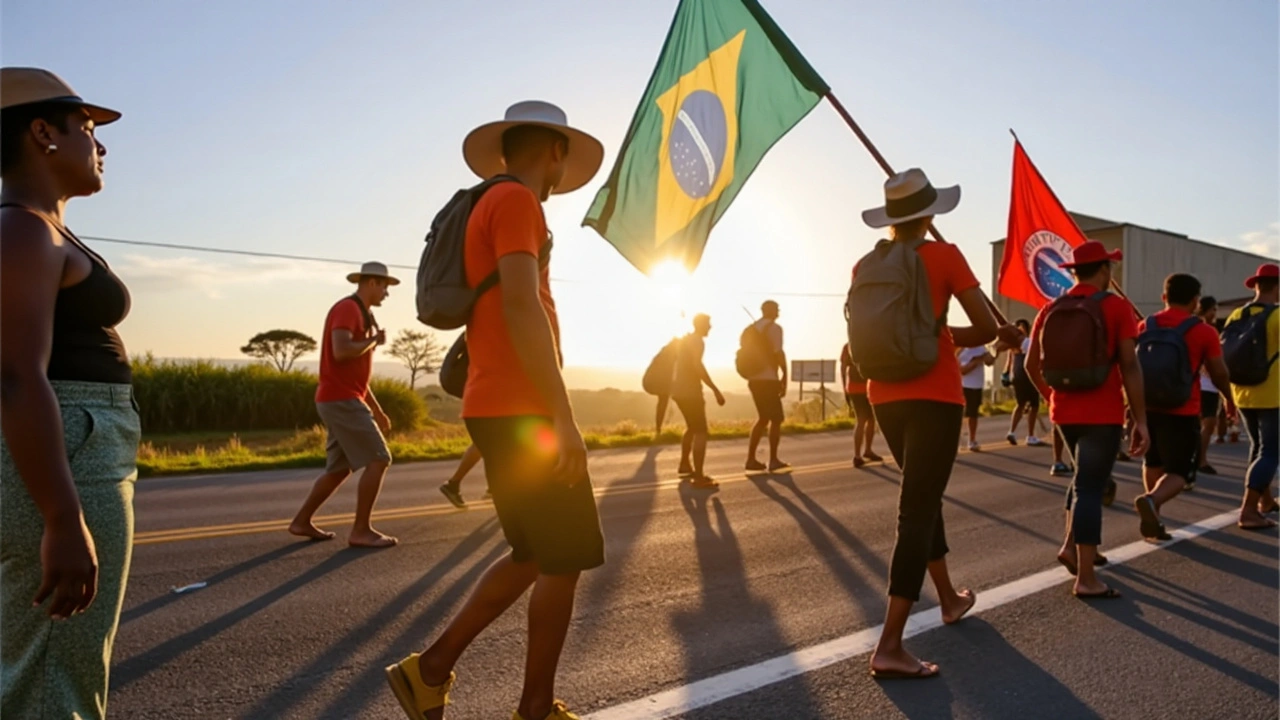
(1089, 224)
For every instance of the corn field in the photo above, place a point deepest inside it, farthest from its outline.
(202, 396)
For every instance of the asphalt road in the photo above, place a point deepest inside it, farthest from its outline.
(697, 586)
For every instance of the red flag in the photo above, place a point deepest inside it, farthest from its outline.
(1040, 238)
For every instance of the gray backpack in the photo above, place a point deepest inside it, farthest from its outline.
(893, 334)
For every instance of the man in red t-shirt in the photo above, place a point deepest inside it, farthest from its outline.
(351, 414)
(517, 411)
(1092, 420)
(855, 396)
(1175, 432)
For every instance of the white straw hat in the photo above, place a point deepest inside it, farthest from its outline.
(482, 149)
(909, 196)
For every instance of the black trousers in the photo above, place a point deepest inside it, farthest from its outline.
(923, 436)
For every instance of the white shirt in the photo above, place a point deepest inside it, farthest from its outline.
(773, 333)
(975, 378)
(1206, 383)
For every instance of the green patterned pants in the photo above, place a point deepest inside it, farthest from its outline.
(56, 670)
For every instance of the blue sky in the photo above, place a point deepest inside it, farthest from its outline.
(334, 129)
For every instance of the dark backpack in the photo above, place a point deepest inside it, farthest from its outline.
(1167, 375)
(444, 297)
(1244, 346)
(658, 376)
(893, 334)
(454, 367)
(755, 353)
(1073, 343)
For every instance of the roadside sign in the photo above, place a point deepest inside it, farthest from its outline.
(817, 371)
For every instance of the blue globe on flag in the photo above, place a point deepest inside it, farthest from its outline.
(1046, 270)
(697, 143)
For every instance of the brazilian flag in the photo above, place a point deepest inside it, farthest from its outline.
(728, 85)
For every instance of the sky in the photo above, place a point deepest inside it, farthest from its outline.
(334, 129)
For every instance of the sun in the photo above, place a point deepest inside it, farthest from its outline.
(671, 281)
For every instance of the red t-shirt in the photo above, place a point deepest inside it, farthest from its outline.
(508, 219)
(349, 379)
(949, 275)
(1103, 405)
(1202, 343)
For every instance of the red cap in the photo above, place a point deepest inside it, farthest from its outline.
(1266, 271)
(1092, 252)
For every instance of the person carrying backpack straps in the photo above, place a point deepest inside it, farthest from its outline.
(1070, 338)
(1173, 346)
(1251, 343)
(909, 279)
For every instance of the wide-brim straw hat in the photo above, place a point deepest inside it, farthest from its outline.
(373, 269)
(482, 149)
(910, 196)
(21, 86)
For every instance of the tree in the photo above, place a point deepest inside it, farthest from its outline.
(420, 351)
(281, 347)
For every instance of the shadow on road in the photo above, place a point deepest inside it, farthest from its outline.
(140, 665)
(863, 586)
(986, 676)
(167, 599)
(732, 626)
(623, 517)
(370, 683)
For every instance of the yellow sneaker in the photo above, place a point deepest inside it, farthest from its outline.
(559, 711)
(415, 696)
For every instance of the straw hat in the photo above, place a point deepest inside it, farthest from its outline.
(373, 269)
(909, 196)
(482, 148)
(24, 86)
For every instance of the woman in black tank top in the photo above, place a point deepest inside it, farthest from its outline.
(70, 425)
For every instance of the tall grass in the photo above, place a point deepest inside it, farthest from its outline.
(202, 396)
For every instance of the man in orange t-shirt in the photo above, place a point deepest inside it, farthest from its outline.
(517, 410)
(855, 396)
(1092, 421)
(351, 414)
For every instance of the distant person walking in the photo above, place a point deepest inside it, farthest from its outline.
(686, 390)
(766, 377)
(1210, 398)
(518, 413)
(1174, 347)
(1082, 357)
(70, 421)
(1026, 397)
(973, 378)
(908, 355)
(1251, 346)
(350, 412)
(855, 396)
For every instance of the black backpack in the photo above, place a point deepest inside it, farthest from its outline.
(1167, 376)
(444, 297)
(454, 367)
(1244, 346)
(755, 353)
(661, 371)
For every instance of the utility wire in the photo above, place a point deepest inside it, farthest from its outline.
(336, 261)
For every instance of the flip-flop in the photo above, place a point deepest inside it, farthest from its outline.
(1265, 526)
(1275, 506)
(920, 673)
(1098, 561)
(1109, 594)
(973, 600)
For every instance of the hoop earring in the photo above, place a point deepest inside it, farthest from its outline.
(49, 150)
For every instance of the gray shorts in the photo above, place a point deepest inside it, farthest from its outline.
(354, 438)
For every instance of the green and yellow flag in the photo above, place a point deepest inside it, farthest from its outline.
(728, 85)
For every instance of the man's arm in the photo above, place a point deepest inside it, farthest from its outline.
(1131, 372)
(346, 347)
(530, 329)
(379, 416)
(972, 365)
(1032, 365)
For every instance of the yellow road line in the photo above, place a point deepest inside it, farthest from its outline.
(155, 537)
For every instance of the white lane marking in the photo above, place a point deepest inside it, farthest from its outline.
(707, 691)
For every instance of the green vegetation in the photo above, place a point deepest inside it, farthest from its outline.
(202, 396)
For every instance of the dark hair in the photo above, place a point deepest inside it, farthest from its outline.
(521, 137)
(910, 228)
(1207, 303)
(16, 121)
(1089, 270)
(1267, 284)
(1022, 323)
(1181, 288)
